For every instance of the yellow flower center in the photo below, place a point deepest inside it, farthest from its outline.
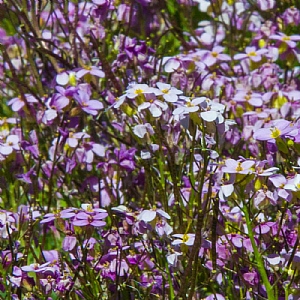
(185, 238)
(214, 54)
(165, 91)
(286, 38)
(138, 91)
(239, 167)
(252, 53)
(275, 132)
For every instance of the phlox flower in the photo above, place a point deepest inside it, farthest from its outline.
(276, 129)
(251, 278)
(119, 101)
(264, 227)
(264, 198)
(252, 54)
(89, 209)
(225, 191)
(233, 166)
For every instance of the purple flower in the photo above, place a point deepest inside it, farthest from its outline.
(289, 40)
(275, 130)
(85, 219)
(266, 4)
(215, 297)
(291, 16)
(93, 70)
(66, 214)
(236, 167)
(54, 104)
(17, 103)
(163, 228)
(35, 267)
(118, 267)
(212, 57)
(252, 54)
(251, 278)
(254, 99)
(69, 243)
(89, 106)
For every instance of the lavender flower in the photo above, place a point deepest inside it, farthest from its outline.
(89, 106)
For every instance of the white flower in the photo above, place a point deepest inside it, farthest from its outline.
(136, 90)
(141, 130)
(170, 94)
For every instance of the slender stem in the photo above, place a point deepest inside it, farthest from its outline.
(258, 257)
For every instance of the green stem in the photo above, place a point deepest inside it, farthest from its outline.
(258, 258)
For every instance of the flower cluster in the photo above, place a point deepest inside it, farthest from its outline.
(149, 149)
